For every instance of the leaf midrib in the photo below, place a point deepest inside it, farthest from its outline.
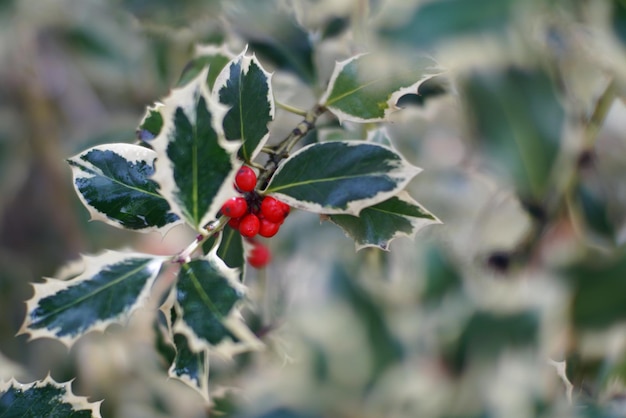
(314, 181)
(98, 290)
(200, 290)
(101, 173)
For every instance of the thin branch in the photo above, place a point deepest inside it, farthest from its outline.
(278, 153)
(208, 231)
(282, 150)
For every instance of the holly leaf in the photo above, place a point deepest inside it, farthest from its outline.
(229, 248)
(196, 166)
(206, 294)
(211, 56)
(114, 183)
(191, 367)
(244, 86)
(150, 125)
(366, 88)
(599, 291)
(433, 22)
(113, 285)
(516, 118)
(340, 177)
(378, 225)
(45, 398)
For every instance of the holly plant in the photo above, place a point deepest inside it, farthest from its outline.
(202, 158)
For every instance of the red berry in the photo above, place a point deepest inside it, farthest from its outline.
(259, 256)
(245, 179)
(235, 207)
(286, 208)
(274, 210)
(234, 223)
(249, 225)
(268, 228)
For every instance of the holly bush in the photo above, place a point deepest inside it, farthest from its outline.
(295, 118)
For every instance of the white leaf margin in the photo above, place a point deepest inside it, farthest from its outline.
(203, 388)
(186, 98)
(77, 402)
(94, 264)
(416, 223)
(224, 76)
(132, 153)
(403, 173)
(201, 50)
(391, 102)
(234, 321)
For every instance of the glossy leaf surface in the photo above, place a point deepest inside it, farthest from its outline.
(206, 294)
(195, 165)
(45, 398)
(190, 366)
(378, 225)
(113, 285)
(114, 182)
(341, 177)
(244, 87)
(366, 88)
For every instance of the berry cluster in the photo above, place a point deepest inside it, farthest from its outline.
(252, 214)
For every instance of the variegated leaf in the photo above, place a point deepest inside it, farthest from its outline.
(341, 177)
(245, 87)
(378, 225)
(191, 367)
(365, 88)
(112, 286)
(230, 249)
(151, 125)
(195, 165)
(211, 56)
(45, 398)
(207, 291)
(114, 183)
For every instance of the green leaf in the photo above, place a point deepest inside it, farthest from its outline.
(595, 211)
(442, 277)
(191, 367)
(244, 86)
(385, 347)
(433, 22)
(378, 225)
(489, 334)
(599, 291)
(114, 182)
(151, 124)
(211, 56)
(340, 177)
(196, 166)
(207, 292)
(365, 88)
(517, 119)
(45, 398)
(113, 285)
(273, 33)
(230, 249)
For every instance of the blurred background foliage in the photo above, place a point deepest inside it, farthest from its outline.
(523, 147)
